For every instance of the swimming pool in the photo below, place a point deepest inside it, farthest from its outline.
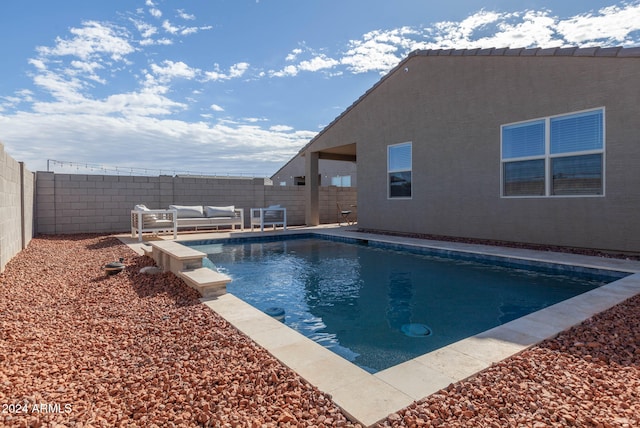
(379, 306)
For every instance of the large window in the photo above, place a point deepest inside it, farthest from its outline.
(554, 156)
(399, 170)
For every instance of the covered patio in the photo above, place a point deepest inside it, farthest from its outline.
(312, 154)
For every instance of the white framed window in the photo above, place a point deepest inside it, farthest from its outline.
(341, 181)
(399, 166)
(554, 156)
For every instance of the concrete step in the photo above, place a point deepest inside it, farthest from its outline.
(147, 250)
(208, 282)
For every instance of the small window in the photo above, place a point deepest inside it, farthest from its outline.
(399, 170)
(555, 156)
(341, 181)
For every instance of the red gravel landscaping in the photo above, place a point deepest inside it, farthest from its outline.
(79, 348)
(132, 349)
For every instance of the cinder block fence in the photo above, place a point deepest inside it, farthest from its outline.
(16, 207)
(50, 203)
(75, 203)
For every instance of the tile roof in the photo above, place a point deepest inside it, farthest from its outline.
(566, 51)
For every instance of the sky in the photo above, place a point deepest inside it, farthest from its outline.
(235, 87)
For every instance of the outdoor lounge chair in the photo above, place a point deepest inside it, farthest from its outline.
(155, 221)
(273, 215)
(345, 215)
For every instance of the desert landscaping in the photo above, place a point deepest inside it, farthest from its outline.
(81, 348)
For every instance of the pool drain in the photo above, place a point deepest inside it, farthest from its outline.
(275, 312)
(416, 330)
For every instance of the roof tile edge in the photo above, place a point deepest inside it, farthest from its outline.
(593, 51)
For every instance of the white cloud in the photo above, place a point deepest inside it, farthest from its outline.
(153, 10)
(379, 50)
(166, 25)
(170, 70)
(313, 62)
(613, 26)
(530, 29)
(182, 30)
(255, 119)
(11, 102)
(609, 26)
(146, 30)
(318, 63)
(67, 90)
(281, 128)
(186, 16)
(91, 40)
(235, 71)
(146, 141)
(148, 101)
(216, 107)
(38, 64)
(293, 55)
(189, 30)
(238, 70)
(289, 70)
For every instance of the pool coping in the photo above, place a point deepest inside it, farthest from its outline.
(369, 398)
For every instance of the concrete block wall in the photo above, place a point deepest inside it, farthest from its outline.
(16, 207)
(77, 203)
(28, 200)
(330, 197)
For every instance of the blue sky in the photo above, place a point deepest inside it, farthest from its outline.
(236, 86)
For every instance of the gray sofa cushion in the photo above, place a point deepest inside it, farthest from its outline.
(211, 211)
(188, 211)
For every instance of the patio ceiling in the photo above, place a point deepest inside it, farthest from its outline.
(340, 153)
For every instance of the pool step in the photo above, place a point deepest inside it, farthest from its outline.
(186, 263)
(147, 250)
(208, 282)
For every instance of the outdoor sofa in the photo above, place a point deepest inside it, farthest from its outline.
(177, 217)
(198, 216)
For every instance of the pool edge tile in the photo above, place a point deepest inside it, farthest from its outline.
(415, 379)
(452, 363)
(374, 401)
(488, 349)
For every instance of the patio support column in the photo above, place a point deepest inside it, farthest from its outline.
(311, 189)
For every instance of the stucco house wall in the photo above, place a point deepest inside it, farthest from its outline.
(451, 105)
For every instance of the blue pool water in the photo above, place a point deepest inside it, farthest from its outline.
(378, 307)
